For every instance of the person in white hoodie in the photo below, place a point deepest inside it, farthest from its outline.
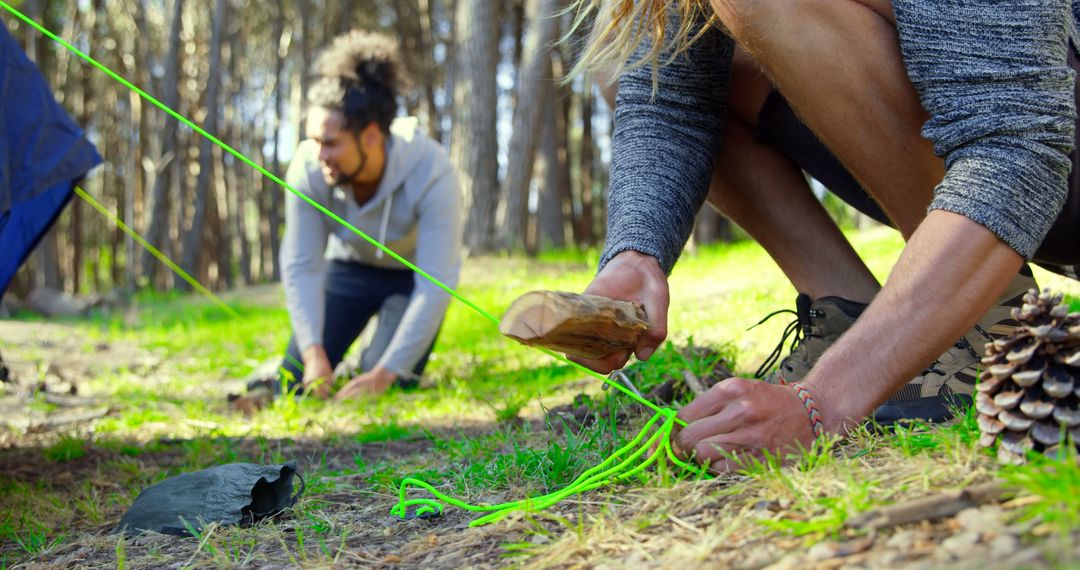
(388, 179)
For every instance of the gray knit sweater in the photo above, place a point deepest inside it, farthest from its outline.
(993, 76)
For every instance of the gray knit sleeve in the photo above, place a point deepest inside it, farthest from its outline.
(663, 147)
(994, 78)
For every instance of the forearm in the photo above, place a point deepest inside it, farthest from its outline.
(950, 273)
(663, 147)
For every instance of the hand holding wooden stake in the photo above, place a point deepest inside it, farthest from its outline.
(587, 326)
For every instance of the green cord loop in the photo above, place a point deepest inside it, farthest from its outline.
(659, 443)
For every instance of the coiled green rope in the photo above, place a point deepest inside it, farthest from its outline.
(623, 464)
(610, 470)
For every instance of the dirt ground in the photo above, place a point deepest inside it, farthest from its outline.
(712, 523)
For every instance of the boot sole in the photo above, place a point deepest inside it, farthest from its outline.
(935, 409)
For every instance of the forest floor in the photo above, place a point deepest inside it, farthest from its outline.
(104, 407)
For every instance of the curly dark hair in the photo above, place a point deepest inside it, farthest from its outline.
(360, 74)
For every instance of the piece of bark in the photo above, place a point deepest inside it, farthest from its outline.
(65, 401)
(931, 508)
(586, 326)
(55, 421)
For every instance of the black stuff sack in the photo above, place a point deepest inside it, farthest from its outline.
(231, 494)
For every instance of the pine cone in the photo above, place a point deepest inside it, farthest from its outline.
(1028, 397)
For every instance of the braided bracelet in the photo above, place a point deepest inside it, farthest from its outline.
(811, 408)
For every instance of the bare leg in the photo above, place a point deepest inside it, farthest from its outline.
(763, 192)
(838, 64)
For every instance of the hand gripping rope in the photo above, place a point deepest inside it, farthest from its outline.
(624, 463)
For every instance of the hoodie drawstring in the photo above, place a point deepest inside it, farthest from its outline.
(385, 222)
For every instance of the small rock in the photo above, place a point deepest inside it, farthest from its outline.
(902, 540)
(1003, 545)
(822, 551)
(826, 550)
(985, 520)
(960, 545)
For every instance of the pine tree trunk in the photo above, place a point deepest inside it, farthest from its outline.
(474, 147)
(86, 98)
(532, 90)
(194, 238)
(586, 222)
(277, 196)
(549, 215)
(431, 71)
(233, 176)
(157, 228)
(143, 166)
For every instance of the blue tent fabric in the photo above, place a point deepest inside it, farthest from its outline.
(43, 153)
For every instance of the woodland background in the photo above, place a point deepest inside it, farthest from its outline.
(531, 151)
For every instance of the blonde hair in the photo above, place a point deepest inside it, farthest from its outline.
(620, 26)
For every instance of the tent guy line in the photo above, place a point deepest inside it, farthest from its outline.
(154, 251)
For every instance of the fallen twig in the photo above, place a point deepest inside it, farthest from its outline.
(933, 507)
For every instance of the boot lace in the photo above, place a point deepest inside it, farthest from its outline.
(800, 328)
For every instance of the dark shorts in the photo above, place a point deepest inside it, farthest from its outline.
(778, 126)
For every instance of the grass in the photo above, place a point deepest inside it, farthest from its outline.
(478, 429)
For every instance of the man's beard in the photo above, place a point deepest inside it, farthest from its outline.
(347, 179)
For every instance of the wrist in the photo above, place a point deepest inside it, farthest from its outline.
(313, 354)
(383, 373)
(838, 406)
(635, 257)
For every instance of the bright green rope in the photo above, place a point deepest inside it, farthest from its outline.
(590, 479)
(624, 467)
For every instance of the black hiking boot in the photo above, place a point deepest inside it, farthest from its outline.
(816, 327)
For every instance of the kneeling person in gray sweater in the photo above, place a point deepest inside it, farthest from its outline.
(386, 178)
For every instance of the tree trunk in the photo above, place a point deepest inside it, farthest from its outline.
(86, 98)
(193, 239)
(276, 192)
(157, 229)
(233, 177)
(143, 170)
(532, 90)
(586, 222)
(431, 71)
(474, 146)
(549, 214)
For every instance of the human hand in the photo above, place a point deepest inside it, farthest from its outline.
(317, 372)
(742, 418)
(373, 382)
(635, 277)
